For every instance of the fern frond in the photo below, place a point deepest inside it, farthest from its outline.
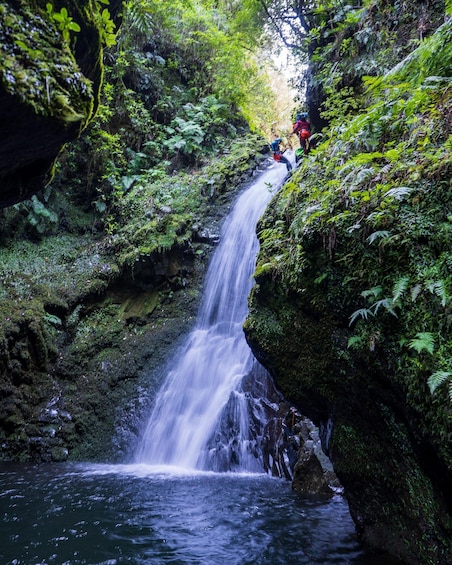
(364, 175)
(415, 291)
(375, 291)
(377, 234)
(399, 192)
(386, 303)
(139, 18)
(437, 379)
(399, 288)
(439, 288)
(364, 313)
(354, 342)
(424, 341)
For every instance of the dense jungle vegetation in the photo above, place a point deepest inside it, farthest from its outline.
(107, 259)
(380, 181)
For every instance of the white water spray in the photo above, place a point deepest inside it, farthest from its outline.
(203, 395)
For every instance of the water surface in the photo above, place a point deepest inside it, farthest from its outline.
(111, 515)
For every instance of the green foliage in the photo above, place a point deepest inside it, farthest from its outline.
(424, 341)
(137, 20)
(106, 24)
(389, 304)
(199, 128)
(66, 24)
(213, 50)
(181, 81)
(349, 42)
(363, 313)
(371, 206)
(376, 196)
(341, 102)
(158, 211)
(355, 342)
(438, 378)
(52, 319)
(39, 69)
(39, 216)
(439, 288)
(64, 21)
(186, 136)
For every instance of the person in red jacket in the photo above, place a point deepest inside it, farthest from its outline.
(302, 128)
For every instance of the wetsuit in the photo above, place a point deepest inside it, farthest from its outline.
(278, 154)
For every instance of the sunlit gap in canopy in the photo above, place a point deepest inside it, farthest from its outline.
(286, 72)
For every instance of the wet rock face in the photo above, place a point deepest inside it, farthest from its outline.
(395, 481)
(72, 380)
(48, 92)
(281, 441)
(34, 141)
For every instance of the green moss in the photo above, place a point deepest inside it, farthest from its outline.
(398, 496)
(39, 68)
(139, 306)
(357, 248)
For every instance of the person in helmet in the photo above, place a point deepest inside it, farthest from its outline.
(278, 154)
(302, 128)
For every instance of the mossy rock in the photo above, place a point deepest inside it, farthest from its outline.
(48, 90)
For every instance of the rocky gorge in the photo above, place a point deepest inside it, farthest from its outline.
(104, 251)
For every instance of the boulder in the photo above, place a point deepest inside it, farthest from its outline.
(50, 80)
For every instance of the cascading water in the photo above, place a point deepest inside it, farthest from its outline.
(205, 416)
(217, 411)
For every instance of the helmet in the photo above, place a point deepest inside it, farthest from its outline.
(278, 140)
(302, 116)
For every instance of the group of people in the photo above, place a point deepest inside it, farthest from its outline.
(302, 129)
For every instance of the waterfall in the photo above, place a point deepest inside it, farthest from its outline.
(206, 415)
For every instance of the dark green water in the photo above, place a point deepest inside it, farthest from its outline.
(113, 515)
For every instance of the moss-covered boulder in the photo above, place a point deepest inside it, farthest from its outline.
(50, 74)
(351, 311)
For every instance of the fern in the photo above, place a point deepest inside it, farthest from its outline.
(415, 292)
(354, 342)
(364, 313)
(384, 234)
(363, 175)
(386, 303)
(439, 288)
(399, 192)
(399, 288)
(424, 341)
(375, 291)
(139, 17)
(437, 379)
